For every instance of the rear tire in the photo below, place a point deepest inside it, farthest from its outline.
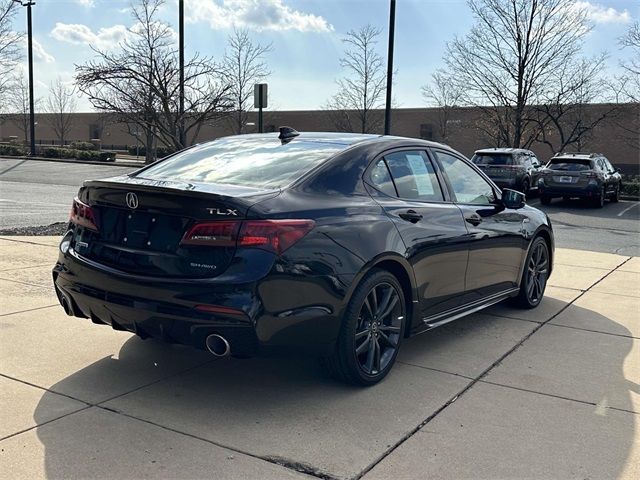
(535, 275)
(545, 199)
(598, 202)
(372, 329)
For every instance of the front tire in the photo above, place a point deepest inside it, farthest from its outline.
(615, 197)
(372, 329)
(535, 275)
(525, 187)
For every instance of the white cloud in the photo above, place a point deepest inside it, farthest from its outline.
(254, 14)
(86, 3)
(600, 14)
(104, 38)
(39, 53)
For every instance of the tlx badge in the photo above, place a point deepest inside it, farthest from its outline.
(222, 211)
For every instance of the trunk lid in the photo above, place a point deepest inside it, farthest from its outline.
(141, 224)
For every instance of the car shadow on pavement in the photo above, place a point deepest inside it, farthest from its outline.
(284, 409)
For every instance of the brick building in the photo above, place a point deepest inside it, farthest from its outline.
(613, 138)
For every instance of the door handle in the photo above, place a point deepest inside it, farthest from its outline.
(411, 216)
(474, 219)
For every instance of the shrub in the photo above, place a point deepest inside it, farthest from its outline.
(160, 151)
(12, 150)
(630, 185)
(83, 146)
(108, 156)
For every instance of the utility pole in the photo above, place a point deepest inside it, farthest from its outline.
(181, 47)
(32, 115)
(392, 28)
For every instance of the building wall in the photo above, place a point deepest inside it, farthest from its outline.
(609, 138)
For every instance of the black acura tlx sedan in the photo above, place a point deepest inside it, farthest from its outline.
(341, 245)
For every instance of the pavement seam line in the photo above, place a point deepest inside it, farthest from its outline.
(29, 310)
(39, 285)
(477, 379)
(561, 397)
(4, 237)
(291, 465)
(45, 423)
(594, 331)
(25, 268)
(89, 404)
(435, 370)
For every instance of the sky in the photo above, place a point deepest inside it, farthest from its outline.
(306, 36)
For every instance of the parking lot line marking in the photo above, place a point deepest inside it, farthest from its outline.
(634, 204)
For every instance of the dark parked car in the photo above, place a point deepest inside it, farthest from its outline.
(339, 244)
(583, 175)
(510, 167)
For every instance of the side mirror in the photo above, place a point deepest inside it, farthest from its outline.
(513, 199)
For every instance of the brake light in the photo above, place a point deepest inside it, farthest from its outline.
(273, 235)
(218, 234)
(83, 215)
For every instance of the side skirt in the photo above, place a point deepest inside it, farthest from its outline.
(451, 315)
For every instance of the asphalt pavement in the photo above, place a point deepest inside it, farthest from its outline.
(36, 193)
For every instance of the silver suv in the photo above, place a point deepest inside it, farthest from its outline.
(514, 168)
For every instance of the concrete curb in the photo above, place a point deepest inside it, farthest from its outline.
(117, 163)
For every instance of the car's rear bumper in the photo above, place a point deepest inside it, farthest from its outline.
(277, 311)
(582, 191)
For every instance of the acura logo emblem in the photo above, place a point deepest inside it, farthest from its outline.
(132, 200)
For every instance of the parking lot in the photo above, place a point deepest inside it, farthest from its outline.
(39, 193)
(552, 392)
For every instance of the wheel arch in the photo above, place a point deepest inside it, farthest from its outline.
(400, 268)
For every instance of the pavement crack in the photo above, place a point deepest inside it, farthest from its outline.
(299, 467)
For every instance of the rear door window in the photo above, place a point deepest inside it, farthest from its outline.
(414, 176)
(381, 179)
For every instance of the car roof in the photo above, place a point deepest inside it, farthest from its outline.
(502, 150)
(339, 138)
(580, 155)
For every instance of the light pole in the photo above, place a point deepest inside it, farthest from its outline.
(181, 48)
(32, 117)
(392, 27)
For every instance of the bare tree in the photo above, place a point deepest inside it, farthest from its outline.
(444, 94)
(18, 104)
(562, 114)
(626, 87)
(139, 83)
(61, 105)
(362, 90)
(10, 43)
(244, 66)
(510, 54)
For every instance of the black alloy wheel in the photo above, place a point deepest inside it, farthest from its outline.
(598, 202)
(615, 197)
(372, 331)
(535, 275)
(379, 325)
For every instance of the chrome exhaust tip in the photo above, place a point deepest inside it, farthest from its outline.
(218, 345)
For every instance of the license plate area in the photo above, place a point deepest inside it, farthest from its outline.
(566, 179)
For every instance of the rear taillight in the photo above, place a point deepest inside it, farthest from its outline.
(589, 174)
(273, 235)
(83, 215)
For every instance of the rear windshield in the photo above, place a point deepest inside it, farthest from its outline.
(570, 164)
(492, 159)
(251, 162)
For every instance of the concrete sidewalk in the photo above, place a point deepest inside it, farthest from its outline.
(548, 393)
